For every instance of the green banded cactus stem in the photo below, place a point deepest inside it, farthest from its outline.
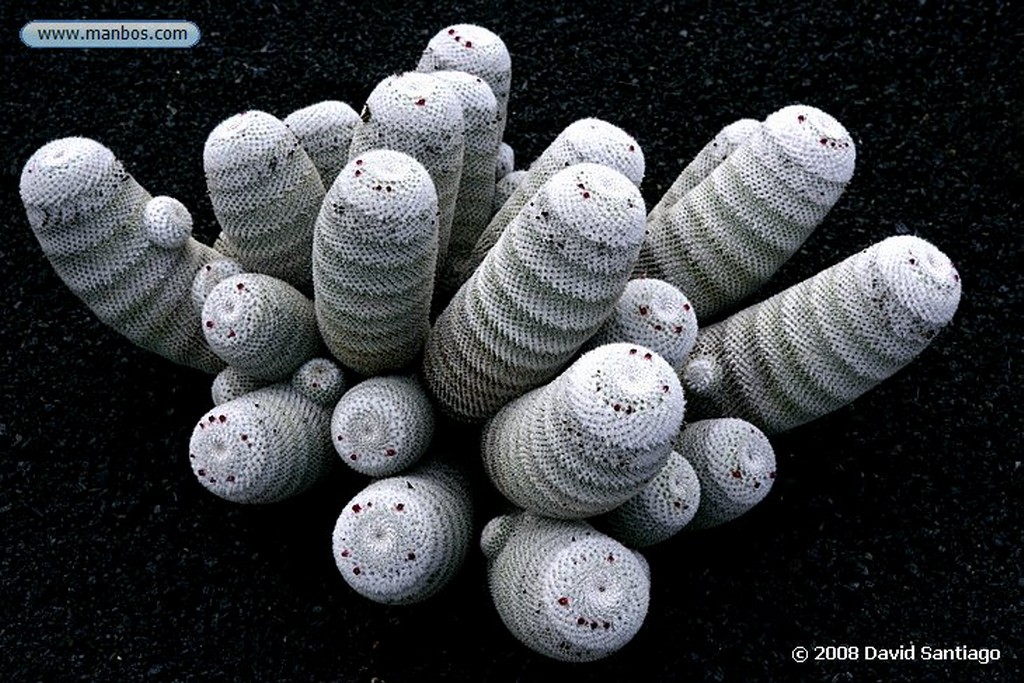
(823, 342)
(655, 314)
(735, 464)
(584, 141)
(725, 142)
(269, 444)
(663, 508)
(418, 114)
(729, 234)
(374, 259)
(261, 325)
(403, 538)
(128, 256)
(325, 131)
(546, 287)
(562, 588)
(589, 440)
(382, 425)
(266, 193)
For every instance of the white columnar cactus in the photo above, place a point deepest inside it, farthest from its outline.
(655, 314)
(261, 325)
(269, 444)
(589, 440)
(504, 189)
(727, 141)
(476, 184)
(382, 425)
(325, 131)
(584, 141)
(128, 256)
(266, 193)
(728, 235)
(735, 464)
(564, 589)
(374, 258)
(208, 277)
(663, 508)
(402, 539)
(420, 115)
(506, 161)
(823, 342)
(477, 51)
(545, 288)
(230, 383)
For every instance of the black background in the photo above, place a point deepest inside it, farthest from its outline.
(895, 520)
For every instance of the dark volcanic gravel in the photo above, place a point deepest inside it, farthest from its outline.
(896, 520)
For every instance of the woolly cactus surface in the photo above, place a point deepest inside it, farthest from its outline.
(402, 539)
(266, 445)
(544, 289)
(128, 256)
(382, 425)
(728, 235)
(564, 589)
(591, 439)
(823, 342)
(374, 259)
(265, 192)
(325, 132)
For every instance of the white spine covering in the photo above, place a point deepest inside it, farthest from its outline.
(270, 444)
(545, 288)
(128, 256)
(374, 258)
(823, 342)
(420, 115)
(591, 439)
(564, 589)
(655, 314)
(728, 235)
(505, 188)
(382, 425)
(230, 383)
(325, 131)
(660, 511)
(735, 464)
(402, 539)
(261, 325)
(727, 141)
(585, 141)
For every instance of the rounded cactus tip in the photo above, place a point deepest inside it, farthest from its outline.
(814, 140)
(209, 276)
(320, 380)
(63, 168)
(167, 222)
(924, 284)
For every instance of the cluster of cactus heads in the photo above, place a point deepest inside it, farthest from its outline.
(571, 336)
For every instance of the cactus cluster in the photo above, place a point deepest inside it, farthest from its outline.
(571, 336)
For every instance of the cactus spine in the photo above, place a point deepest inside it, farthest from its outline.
(128, 256)
(374, 258)
(728, 235)
(823, 342)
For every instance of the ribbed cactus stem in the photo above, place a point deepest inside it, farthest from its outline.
(477, 51)
(374, 259)
(735, 464)
(728, 235)
(544, 289)
(402, 539)
(266, 445)
(128, 256)
(585, 141)
(261, 325)
(382, 425)
(725, 142)
(652, 313)
(591, 439)
(823, 342)
(418, 114)
(476, 185)
(325, 131)
(564, 589)
(663, 508)
(265, 192)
